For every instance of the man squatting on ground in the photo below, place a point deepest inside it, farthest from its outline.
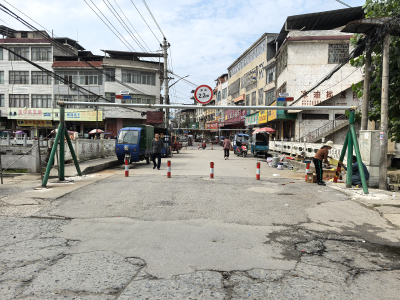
(356, 177)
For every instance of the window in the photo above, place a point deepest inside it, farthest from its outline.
(271, 74)
(139, 99)
(234, 89)
(269, 97)
(224, 93)
(40, 78)
(261, 96)
(90, 78)
(2, 77)
(338, 53)
(248, 58)
(69, 76)
(42, 101)
(19, 100)
(41, 53)
(128, 137)
(66, 98)
(24, 35)
(315, 116)
(110, 97)
(19, 77)
(1, 53)
(247, 99)
(131, 76)
(219, 96)
(23, 51)
(2, 101)
(110, 74)
(253, 98)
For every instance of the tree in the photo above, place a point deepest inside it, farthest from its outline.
(373, 9)
(186, 123)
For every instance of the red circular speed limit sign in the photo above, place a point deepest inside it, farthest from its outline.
(203, 94)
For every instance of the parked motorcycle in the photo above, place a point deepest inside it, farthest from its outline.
(242, 150)
(204, 145)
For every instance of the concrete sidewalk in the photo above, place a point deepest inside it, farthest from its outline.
(88, 167)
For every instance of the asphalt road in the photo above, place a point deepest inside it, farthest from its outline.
(191, 237)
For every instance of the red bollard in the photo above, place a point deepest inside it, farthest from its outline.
(258, 171)
(198, 146)
(126, 168)
(211, 170)
(169, 169)
(307, 170)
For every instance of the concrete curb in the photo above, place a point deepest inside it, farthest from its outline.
(100, 167)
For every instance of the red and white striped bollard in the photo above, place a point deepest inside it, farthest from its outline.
(169, 169)
(258, 171)
(211, 170)
(126, 167)
(307, 170)
(198, 146)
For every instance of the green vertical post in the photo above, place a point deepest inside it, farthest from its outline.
(359, 160)
(346, 141)
(51, 158)
(61, 174)
(71, 148)
(350, 151)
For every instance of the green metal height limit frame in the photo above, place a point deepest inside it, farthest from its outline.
(350, 143)
(61, 133)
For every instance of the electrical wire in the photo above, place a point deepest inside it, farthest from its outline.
(343, 3)
(148, 8)
(110, 24)
(146, 22)
(132, 26)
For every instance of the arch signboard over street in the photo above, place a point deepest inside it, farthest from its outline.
(203, 94)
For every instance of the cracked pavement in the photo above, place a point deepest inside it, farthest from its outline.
(105, 236)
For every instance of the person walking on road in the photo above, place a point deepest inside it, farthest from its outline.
(157, 150)
(226, 145)
(322, 156)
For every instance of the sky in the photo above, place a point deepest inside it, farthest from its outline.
(205, 36)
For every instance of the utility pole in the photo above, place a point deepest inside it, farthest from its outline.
(166, 89)
(384, 114)
(365, 104)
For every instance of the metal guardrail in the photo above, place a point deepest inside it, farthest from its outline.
(326, 129)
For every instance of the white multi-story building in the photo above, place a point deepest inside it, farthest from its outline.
(28, 96)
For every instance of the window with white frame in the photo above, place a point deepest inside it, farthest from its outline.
(1, 77)
(132, 76)
(41, 54)
(110, 97)
(110, 74)
(19, 77)
(271, 74)
(41, 101)
(2, 101)
(19, 100)
(253, 98)
(38, 77)
(69, 77)
(22, 51)
(224, 93)
(247, 99)
(90, 78)
(69, 98)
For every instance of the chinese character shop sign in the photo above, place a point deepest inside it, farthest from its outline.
(234, 116)
(203, 94)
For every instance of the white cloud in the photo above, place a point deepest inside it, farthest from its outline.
(205, 36)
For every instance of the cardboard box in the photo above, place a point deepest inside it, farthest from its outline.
(328, 174)
(311, 178)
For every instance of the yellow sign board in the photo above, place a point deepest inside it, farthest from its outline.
(53, 114)
(35, 123)
(265, 116)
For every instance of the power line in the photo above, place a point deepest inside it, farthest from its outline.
(144, 1)
(111, 24)
(146, 22)
(343, 3)
(132, 25)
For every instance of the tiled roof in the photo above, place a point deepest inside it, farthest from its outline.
(23, 41)
(76, 64)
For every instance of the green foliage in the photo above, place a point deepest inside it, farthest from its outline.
(382, 8)
(186, 123)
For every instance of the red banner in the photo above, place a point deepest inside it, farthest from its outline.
(155, 117)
